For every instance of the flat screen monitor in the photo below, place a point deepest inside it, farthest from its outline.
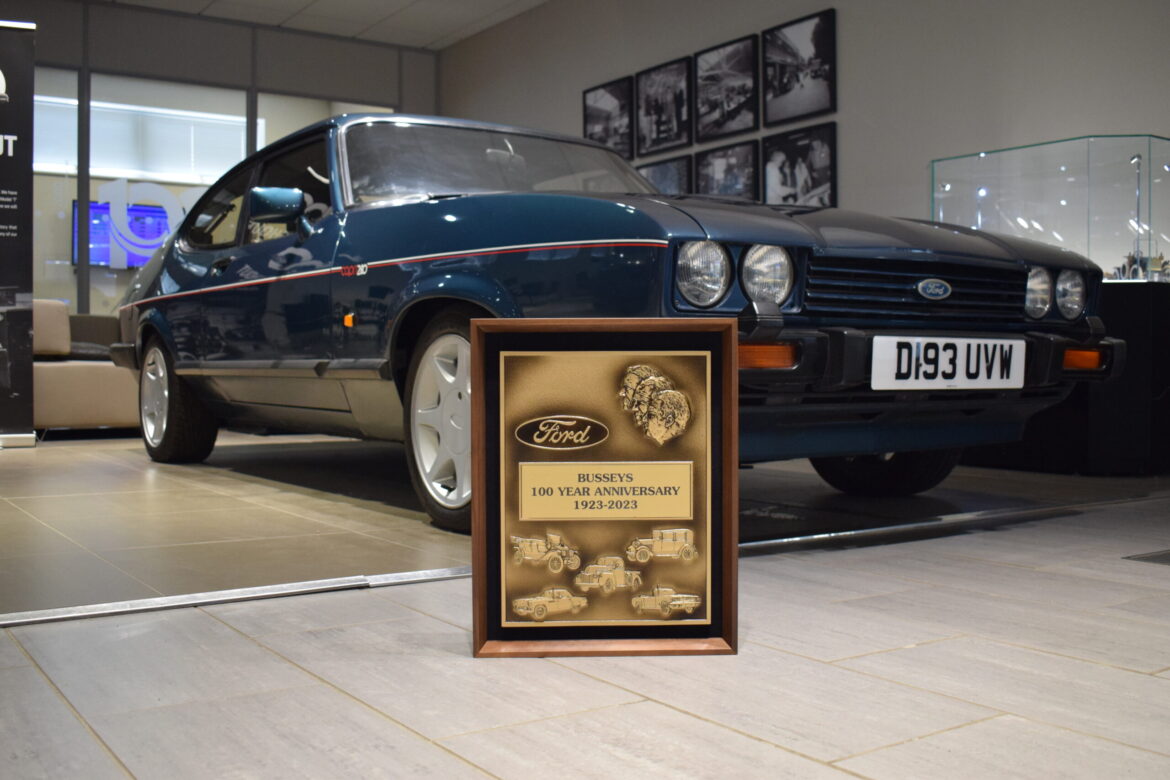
(148, 224)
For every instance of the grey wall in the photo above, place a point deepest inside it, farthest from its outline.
(134, 41)
(918, 79)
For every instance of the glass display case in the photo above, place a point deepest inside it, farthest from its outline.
(1105, 197)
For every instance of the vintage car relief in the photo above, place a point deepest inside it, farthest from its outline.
(608, 573)
(550, 601)
(676, 543)
(552, 551)
(666, 601)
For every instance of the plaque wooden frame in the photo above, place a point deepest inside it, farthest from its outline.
(490, 337)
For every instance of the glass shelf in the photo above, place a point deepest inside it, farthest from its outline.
(1106, 197)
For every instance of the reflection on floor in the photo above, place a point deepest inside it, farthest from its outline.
(95, 521)
(1032, 650)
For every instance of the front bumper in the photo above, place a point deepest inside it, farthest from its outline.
(823, 405)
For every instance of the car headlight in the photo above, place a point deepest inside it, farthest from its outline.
(1070, 293)
(1038, 299)
(704, 272)
(767, 274)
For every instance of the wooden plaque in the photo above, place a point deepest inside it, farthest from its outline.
(605, 490)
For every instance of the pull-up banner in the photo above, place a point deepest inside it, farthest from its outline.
(16, 246)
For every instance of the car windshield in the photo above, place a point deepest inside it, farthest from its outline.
(398, 160)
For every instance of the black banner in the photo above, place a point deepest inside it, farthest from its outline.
(16, 245)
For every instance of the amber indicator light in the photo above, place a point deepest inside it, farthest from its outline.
(348, 320)
(767, 355)
(1082, 360)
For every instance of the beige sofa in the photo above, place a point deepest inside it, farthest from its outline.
(74, 383)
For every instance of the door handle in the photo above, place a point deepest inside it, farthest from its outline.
(220, 265)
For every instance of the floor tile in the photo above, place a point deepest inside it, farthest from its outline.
(41, 737)
(449, 600)
(65, 580)
(1051, 589)
(815, 709)
(137, 530)
(826, 632)
(10, 655)
(1102, 701)
(807, 582)
(1115, 569)
(1134, 644)
(420, 672)
(643, 740)
(309, 612)
(196, 568)
(134, 662)
(78, 507)
(23, 536)
(1010, 747)
(1154, 608)
(312, 732)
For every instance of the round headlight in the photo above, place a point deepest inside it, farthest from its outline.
(704, 272)
(767, 274)
(1070, 293)
(1038, 299)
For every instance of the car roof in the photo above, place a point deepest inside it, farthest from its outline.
(345, 120)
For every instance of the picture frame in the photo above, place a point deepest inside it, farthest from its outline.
(559, 566)
(663, 107)
(800, 166)
(800, 68)
(607, 112)
(729, 170)
(670, 177)
(727, 95)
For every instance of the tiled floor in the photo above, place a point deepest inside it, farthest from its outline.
(1034, 649)
(1031, 650)
(95, 521)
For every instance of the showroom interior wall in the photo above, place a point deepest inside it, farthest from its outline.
(917, 79)
(155, 65)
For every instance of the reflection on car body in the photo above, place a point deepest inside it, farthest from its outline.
(350, 317)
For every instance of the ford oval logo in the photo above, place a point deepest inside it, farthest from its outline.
(562, 432)
(934, 289)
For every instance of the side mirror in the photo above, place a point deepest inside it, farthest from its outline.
(275, 204)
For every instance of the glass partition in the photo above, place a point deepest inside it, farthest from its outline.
(54, 183)
(1106, 197)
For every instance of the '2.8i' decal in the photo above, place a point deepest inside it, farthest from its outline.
(915, 363)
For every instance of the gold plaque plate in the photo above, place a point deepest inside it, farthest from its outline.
(605, 485)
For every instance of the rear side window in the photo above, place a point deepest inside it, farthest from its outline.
(305, 168)
(218, 219)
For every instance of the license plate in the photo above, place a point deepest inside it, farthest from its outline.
(931, 363)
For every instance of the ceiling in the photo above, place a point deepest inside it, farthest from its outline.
(424, 24)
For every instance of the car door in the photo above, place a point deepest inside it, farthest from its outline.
(267, 305)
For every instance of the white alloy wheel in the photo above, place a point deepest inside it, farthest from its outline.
(154, 397)
(440, 420)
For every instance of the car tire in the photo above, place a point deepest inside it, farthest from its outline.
(437, 411)
(687, 554)
(555, 564)
(574, 562)
(518, 557)
(176, 425)
(539, 612)
(642, 555)
(608, 586)
(892, 474)
(666, 612)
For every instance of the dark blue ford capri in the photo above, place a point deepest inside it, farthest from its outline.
(325, 284)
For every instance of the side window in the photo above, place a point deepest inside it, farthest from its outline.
(305, 168)
(219, 215)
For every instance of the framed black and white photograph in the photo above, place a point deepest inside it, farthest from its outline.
(608, 110)
(729, 170)
(727, 98)
(664, 107)
(800, 167)
(670, 177)
(800, 68)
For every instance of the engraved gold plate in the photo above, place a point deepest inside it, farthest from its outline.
(605, 485)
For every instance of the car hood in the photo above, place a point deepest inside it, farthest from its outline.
(830, 230)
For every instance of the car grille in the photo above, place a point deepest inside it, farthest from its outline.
(874, 287)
